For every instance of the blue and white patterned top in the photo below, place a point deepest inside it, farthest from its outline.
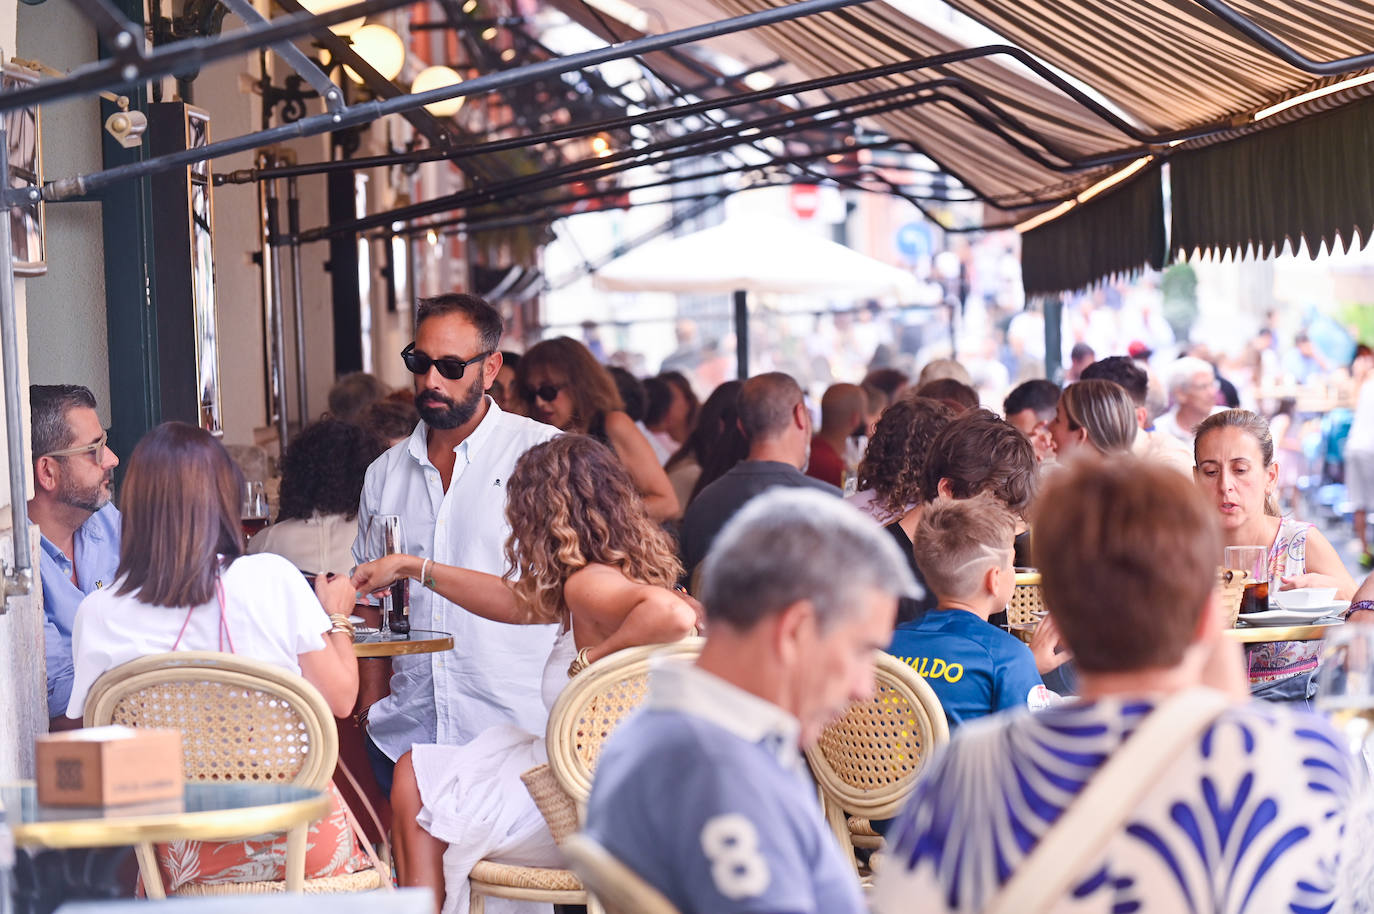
(1246, 820)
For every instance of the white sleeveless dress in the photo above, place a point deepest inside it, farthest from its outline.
(474, 799)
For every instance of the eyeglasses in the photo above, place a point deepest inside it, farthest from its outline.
(449, 367)
(96, 450)
(546, 392)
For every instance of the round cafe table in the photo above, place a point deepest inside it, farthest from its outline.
(204, 812)
(1259, 634)
(417, 641)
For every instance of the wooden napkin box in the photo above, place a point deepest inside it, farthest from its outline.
(108, 766)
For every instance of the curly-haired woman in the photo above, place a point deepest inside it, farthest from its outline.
(322, 479)
(583, 552)
(890, 474)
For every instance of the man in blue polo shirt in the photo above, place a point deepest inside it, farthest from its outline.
(72, 480)
(704, 793)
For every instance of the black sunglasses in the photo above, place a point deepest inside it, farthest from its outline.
(449, 367)
(546, 392)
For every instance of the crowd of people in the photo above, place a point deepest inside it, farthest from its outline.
(556, 512)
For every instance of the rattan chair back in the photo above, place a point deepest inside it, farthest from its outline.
(592, 704)
(240, 719)
(1231, 591)
(619, 888)
(867, 762)
(1026, 600)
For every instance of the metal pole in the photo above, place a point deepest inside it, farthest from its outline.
(367, 112)
(293, 56)
(742, 333)
(18, 580)
(271, 300)
(293, 227)
(278, 329)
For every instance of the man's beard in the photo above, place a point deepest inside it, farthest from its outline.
(443, 412)
(87, 499)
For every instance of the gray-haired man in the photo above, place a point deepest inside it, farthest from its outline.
(704, 792)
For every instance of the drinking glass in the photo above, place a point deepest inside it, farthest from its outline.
(1254, 559)
(385, 536)
(253, 516)
(1346, 693)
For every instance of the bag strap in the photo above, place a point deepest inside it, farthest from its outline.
(1113, 793)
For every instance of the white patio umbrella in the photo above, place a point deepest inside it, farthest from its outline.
(754, 254)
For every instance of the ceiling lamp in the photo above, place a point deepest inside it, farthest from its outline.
(320, 7)
(437, 78)
(383, 50)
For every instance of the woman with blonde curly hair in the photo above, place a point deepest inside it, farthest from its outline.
(890, 473)
(583, 552)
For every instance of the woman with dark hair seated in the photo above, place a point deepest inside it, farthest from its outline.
(562, 384)
(322, 480)
(184, 584)
(719, 416)
(582, 552)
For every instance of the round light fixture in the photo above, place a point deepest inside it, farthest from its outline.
(437, 78)
(383, 50)
(320, 7)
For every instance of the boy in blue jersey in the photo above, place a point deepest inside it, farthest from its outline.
(964, 550)
(704, 793)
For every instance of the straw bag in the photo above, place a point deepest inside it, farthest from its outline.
(559, 810)
(1113, 793)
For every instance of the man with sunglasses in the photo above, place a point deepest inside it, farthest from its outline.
(72, 481)
(447, 481)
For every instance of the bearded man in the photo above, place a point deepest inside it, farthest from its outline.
(72, 479)
(447, 483)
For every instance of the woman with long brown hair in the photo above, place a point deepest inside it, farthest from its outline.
(583, 552)
(562, 384)
(184, 583)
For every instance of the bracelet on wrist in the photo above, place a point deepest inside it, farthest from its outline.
(1358, 606)
(341, 623)
(580, 662)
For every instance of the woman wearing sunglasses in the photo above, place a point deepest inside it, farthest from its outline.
(561, 383)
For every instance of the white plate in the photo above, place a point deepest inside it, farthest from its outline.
(1293, 616)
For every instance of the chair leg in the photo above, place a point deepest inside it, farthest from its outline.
(147, 868)
(594, 906)
(477, 904)
(295, 858)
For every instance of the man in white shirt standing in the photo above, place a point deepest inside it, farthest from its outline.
(447, 483)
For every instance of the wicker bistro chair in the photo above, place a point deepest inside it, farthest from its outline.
(240, 720)
(619, 888)
(588, 709)
(867, 763)
(1231, 589)
(1026, 601)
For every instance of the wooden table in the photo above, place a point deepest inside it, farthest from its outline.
(418, 641)
(204, 812)
(1259, 634)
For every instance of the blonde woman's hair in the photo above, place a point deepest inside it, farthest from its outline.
(571, 504)
(1105, 411)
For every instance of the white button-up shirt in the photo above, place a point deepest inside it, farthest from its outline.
(492, 676)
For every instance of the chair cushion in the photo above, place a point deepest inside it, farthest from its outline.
(331, 850)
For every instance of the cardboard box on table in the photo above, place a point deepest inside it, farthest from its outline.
(109, 766)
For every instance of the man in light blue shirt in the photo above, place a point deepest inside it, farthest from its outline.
(73, 480)
(704, 793)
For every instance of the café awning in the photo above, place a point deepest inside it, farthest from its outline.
(1175, 79)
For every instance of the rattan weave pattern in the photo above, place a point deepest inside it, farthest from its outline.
(509, 875)
(1026, 600)
(607, 708)
(867, 762)
(1231, 591)
(229, 733)
(362, 881)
